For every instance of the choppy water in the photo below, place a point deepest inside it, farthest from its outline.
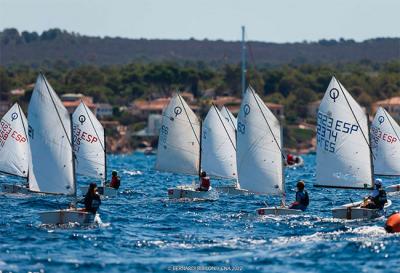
(144, 232)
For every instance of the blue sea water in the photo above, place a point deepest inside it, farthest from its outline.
(142, 231)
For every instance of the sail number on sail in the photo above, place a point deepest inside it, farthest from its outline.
(6, 131)
(377, 134)
(80, 135)
(328, 130)
(164, 136)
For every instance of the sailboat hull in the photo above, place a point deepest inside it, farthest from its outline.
(231, 190)
(394, 188)
(353, 211)
(12, 188)
(59, 217)
(189, 192)
(278, 211)
(105, 191)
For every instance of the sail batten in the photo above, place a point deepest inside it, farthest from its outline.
(14, 145)
(179, 141)
(218, 146)
(385, 144)
(88, 140)
(343, 146)
(50, 138)
(259, 158)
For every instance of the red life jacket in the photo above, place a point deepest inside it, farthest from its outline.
(290, 159)
(205, 183)
(115, 182)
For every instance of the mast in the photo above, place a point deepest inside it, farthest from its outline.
(27, 139)
(73, 160)
(105, 158)
(283, 200)
(201, 136)
(243, 61)
(371, 153)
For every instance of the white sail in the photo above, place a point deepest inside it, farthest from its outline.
(385, 144)
(229, 117)
(218, 146)
(259, 142)
(14, 146)
(50, 135)
(89, 144)
(343, 152)
(178, 144)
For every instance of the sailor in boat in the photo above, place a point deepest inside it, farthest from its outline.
(302, 199)
(92, 199)
(204, 182)
(115, 180)
(378, 197)
(292, 160)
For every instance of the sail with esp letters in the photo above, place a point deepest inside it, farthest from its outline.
(14, 146)
(343, 144)
(385, 144)
(89, 143)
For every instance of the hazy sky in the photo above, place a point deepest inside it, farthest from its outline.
(265, 20)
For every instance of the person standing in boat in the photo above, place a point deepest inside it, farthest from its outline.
(92, 199)
(302, 199)
(378, 197)
(115, 180)
(204, 182)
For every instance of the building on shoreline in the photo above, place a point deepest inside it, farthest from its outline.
(72, 100)
(392, 105)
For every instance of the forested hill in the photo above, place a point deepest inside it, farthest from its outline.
(31, 48)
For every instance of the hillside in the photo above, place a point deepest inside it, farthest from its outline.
(30, 48)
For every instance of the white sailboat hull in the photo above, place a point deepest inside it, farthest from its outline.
(189, 192)
(105, 191)
(278, 211)
(393, 188)
(12, 188)
(59, 217)
(354, 211)
(231, 190)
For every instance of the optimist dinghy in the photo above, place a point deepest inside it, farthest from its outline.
(385, 144)
(52, 168)
(218, 149)
(343, 149)
(90, 149)
(259, 152)
(179, 148)
(14, 149)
